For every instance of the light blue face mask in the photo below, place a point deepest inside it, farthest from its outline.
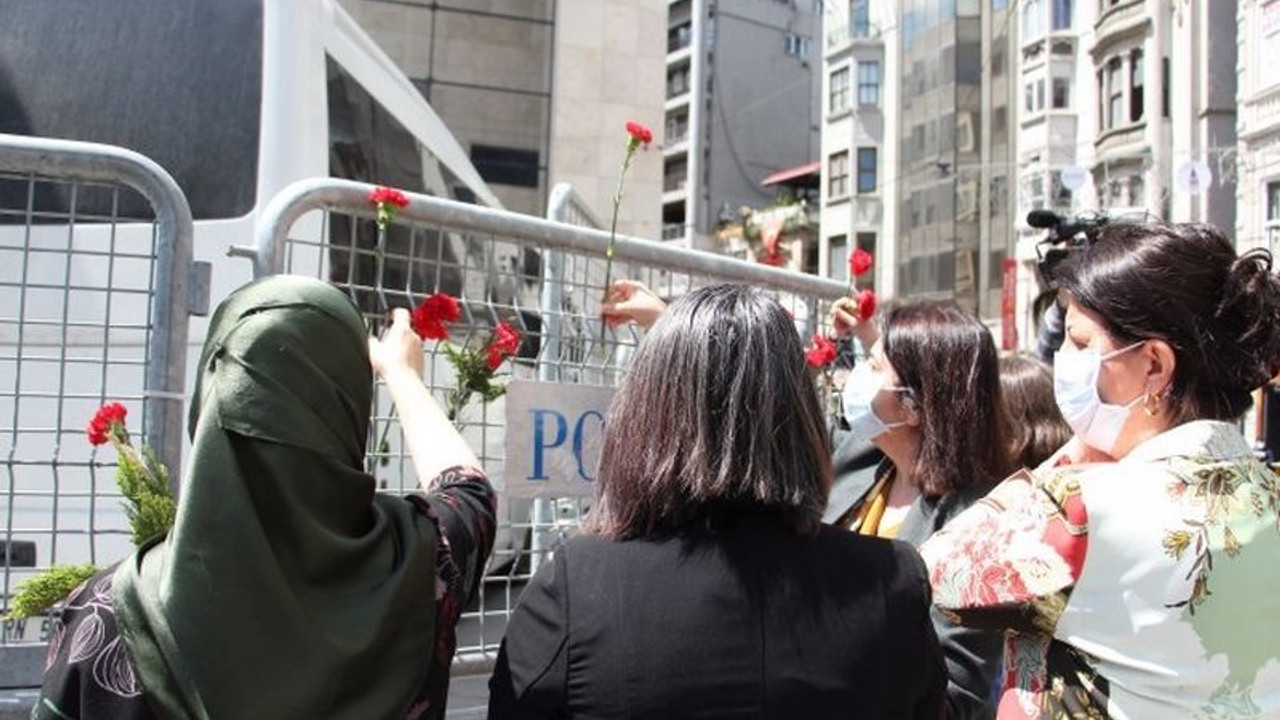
(860, 389)
(1075, 388)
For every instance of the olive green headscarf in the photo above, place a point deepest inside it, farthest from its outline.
(288, 588)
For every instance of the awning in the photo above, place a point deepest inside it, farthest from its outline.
(784, 175)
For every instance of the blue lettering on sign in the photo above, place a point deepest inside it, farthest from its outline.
(541, 444)
(539, 439)
(577, 440)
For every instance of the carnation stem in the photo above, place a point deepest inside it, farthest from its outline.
(613, 230)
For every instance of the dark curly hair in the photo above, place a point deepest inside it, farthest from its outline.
(1184, 284)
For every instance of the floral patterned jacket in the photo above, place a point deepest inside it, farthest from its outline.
(1143, 588)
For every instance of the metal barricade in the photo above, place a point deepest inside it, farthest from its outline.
(95, 252)
(543, 276)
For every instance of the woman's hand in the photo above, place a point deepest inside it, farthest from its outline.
(631, 300)
(432, 441)
(844, 319)
(399, 349)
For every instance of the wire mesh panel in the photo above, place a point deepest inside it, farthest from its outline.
(84, 270)
(543, 277)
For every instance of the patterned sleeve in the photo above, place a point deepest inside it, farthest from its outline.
(89, 672)
(462, 506)
(1011, 559)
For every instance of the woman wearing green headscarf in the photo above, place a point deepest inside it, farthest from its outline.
(288, 588)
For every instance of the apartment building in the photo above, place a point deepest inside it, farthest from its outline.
(741, 105)
(1125, 106)
(539, 91)
(1258, 158)
(917, 145)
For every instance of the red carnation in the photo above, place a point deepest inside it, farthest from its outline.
(104, 421)
(431, 318)
(387, 195)
(866, 304)
(821, 353)
(859, 262)
(640, 134)
(506, 341)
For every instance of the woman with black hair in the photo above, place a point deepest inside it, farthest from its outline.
(705, 584)
(924, 436)
(1136, 569)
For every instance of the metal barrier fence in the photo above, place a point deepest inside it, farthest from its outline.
(543, 276)
(95, 251)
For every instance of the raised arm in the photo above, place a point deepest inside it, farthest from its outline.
(434, 443)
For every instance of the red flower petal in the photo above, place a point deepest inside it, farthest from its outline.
(860, 262)
(821, 352)
(640, 132)
(866, 305)
(391, 196)
(431, 318)
(107, 416)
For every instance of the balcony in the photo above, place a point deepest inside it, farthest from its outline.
(679, 38)
(1121, 141)
(1124, 17)
(841, 35)
(1260, 114)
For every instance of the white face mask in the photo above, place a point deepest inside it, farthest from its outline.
(860, 389)
(1075, 387)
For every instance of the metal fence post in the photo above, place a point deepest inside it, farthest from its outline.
(45, 475)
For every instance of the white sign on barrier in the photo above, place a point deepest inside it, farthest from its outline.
(554, 436)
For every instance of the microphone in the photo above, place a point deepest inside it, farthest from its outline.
(1043, 219)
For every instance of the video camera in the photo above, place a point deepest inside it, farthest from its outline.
(1065, 234)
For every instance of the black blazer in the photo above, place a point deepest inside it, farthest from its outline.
(749, 622)
(973, 656)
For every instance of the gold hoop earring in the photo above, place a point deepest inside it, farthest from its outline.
(1151, 403)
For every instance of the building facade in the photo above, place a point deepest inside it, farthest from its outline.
(1258, 157)
(917, 145)
(741, 104)
(1125, 107)
(538, 91)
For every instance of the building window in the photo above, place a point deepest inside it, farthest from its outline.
(797, 46)
(838, 175)
(1272, 226)
(1137, 192)
(997, 61)
(1062, 14)
(678, 82)
(1033, 96)
(1164, 87)
(506, 166)
(1061, 93)
(1114, 94)
(860, 18)
(839, 96)
(1268, 44)
(866, 241)
(838, 257)
(869, 83)
(1136, 84)
(866, 170)
(1032, 20)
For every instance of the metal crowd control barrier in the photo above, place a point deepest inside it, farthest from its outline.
(95, 253)
(546, 277)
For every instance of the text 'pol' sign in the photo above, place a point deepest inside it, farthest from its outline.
(554, 434)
